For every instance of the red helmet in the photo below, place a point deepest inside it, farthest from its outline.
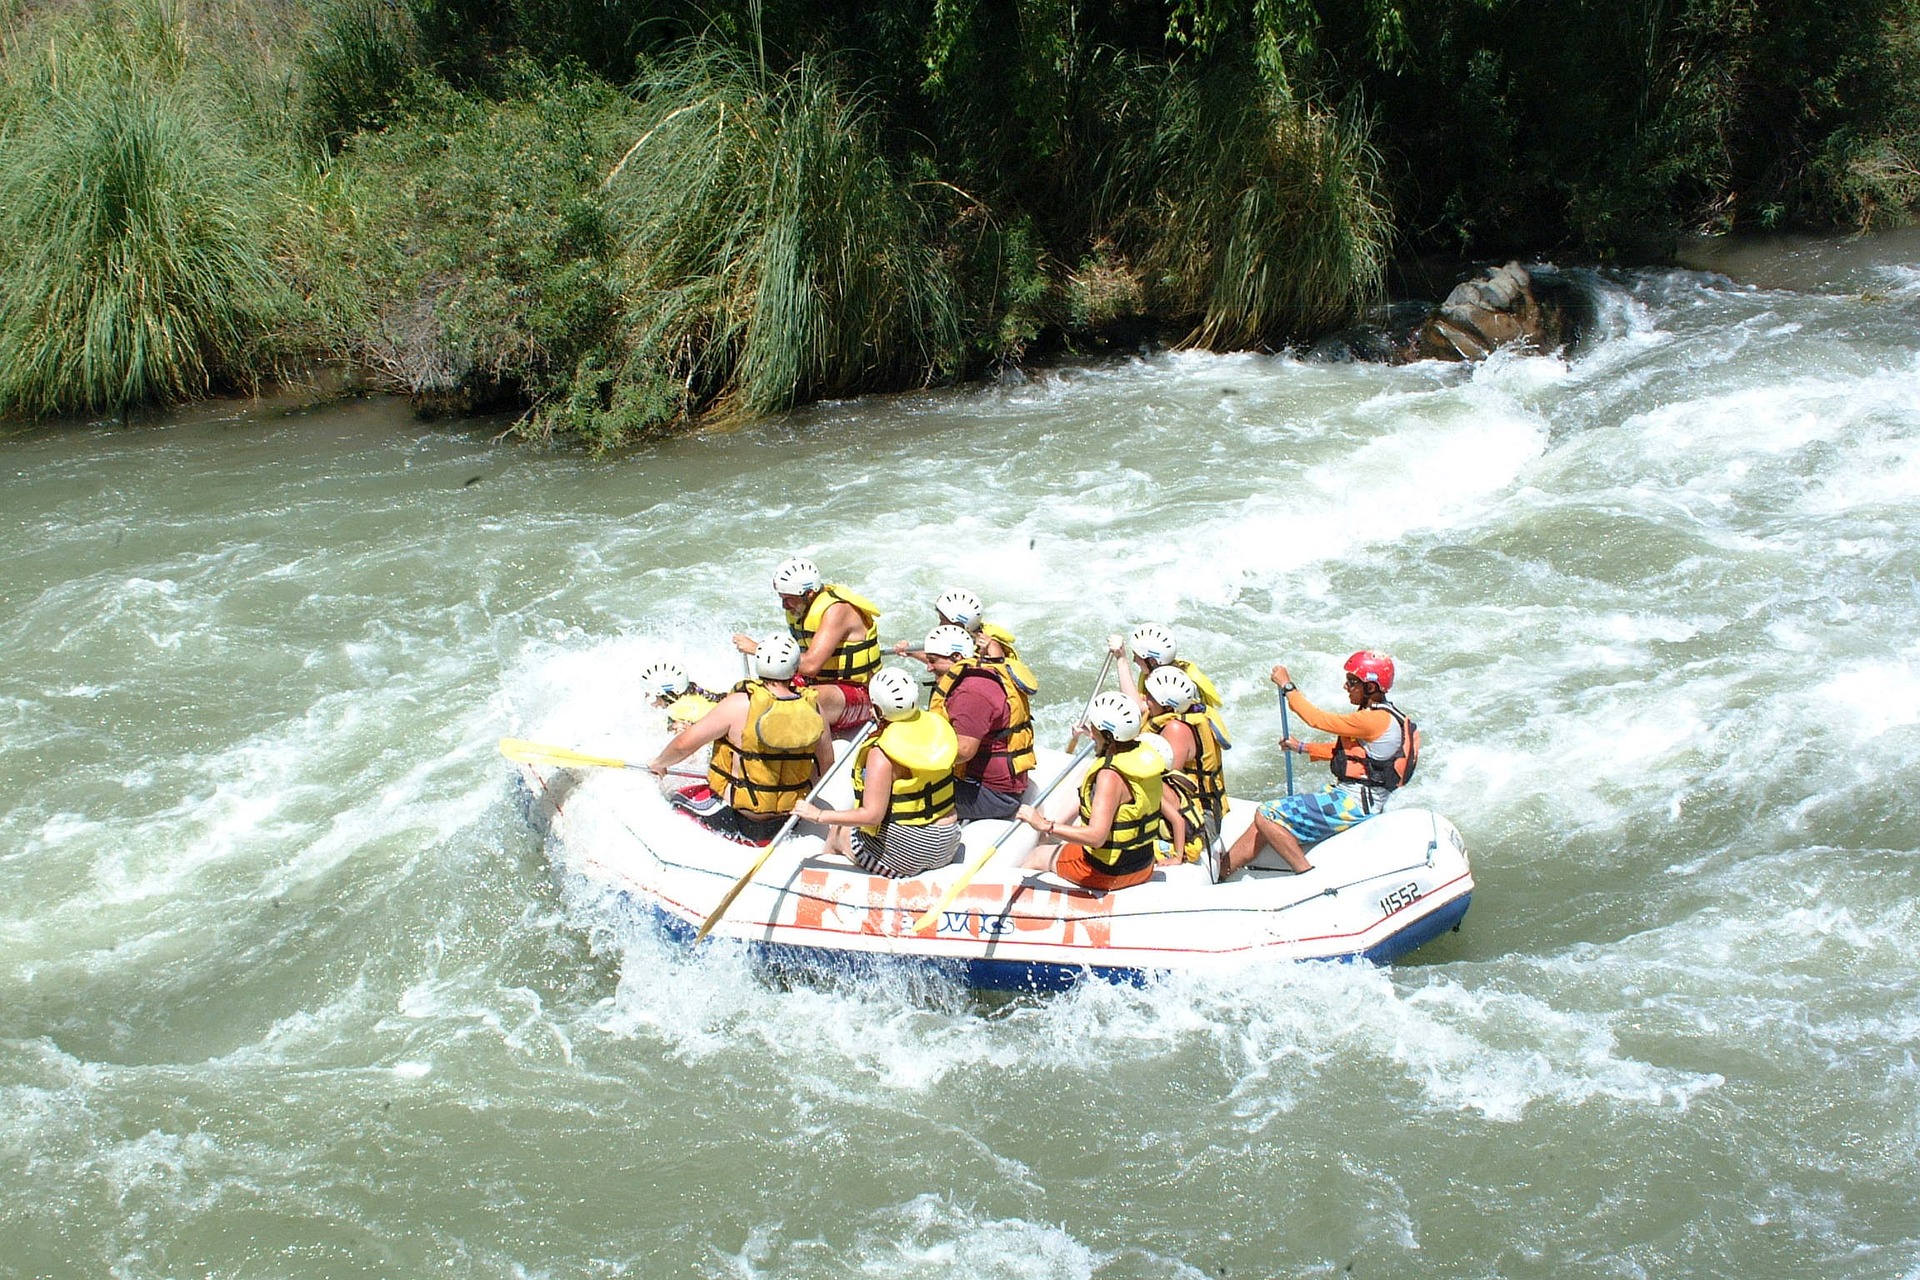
(1368, 665)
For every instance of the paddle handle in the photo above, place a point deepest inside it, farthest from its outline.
(1099, 681)
(1286, 731)
(786, 829)
(954, 890)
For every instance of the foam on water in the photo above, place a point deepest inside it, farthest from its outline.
(284, 985)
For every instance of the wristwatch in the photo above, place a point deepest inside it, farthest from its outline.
(1288, 687)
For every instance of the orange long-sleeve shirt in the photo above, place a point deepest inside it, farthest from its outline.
(1354, 726)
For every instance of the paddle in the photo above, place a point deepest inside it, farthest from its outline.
(1215, 854)
(1285, 733)
(953, 891)
(813, 797)
(1099, 680)
(538, 753)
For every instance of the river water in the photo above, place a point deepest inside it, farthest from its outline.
(286, 989)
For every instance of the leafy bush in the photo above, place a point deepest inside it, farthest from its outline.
(354, 68)
(468, 244)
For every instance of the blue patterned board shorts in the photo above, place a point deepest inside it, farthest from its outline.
(1314, 816)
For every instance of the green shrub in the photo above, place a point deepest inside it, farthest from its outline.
(466, 248)
(354, 67)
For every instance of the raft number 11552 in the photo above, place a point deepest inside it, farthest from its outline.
(1400, 897)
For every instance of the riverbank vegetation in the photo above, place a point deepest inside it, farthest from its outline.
(622, 217)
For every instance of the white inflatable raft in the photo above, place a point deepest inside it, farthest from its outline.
(1375, 892)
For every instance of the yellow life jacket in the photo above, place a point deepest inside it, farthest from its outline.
(1016, 744)
(1021, 672)
(923, 748)
(689, 706)
(772, 768)
(1206, 768)
(1137, 823)
(858, 657)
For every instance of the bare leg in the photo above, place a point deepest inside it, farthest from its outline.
(1264, 833)
(1041, 856)
(1282, 841)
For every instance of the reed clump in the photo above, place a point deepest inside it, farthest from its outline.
(137, 266)
(773, 255)
(1256, 217)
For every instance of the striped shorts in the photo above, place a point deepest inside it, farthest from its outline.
(1315, 815)
(903, 849)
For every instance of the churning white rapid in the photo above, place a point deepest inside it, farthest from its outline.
(286, 990)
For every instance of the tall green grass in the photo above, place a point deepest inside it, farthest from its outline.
(1255, 216)
(137, 267)
(774, 255)
(353, 68)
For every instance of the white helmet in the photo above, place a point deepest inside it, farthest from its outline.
(1117, 715)
(960, 607)
(1171, 688)
(1160, 747)
(777, 658)
(895, 694)
(948, 642)
(664, 679)
(796, 578)
(1151, 640)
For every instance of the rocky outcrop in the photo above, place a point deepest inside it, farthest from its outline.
(1506, 307)
(1538, 310)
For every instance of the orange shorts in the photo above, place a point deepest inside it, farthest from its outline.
(1073, 864)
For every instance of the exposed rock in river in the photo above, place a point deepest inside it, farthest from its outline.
(1538, 310)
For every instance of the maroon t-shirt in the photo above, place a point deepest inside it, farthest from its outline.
(977, 707)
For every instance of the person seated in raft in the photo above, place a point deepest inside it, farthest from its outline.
(1110, 844)
(835, 631)
(990, 715)
(903, 821)
(1373, 755)
(1153, 647)
(961, 608)
(769, 744)
(1196, 779)
(667, 684)
(1183, 832)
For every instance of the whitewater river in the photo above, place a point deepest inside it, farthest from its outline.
(286, 989)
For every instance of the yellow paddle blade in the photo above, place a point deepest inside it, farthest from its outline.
(932, 913)
(538, 753)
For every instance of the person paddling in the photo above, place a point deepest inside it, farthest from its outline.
(769, 744)
(958, 607)
(1154, 647)
(990, 714)
(1196, 774)
(1373, 755)
(903, 821)
(1111, 841)
(668, 685)
(835, 630)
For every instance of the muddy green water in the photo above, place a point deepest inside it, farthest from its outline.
(286, 990)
